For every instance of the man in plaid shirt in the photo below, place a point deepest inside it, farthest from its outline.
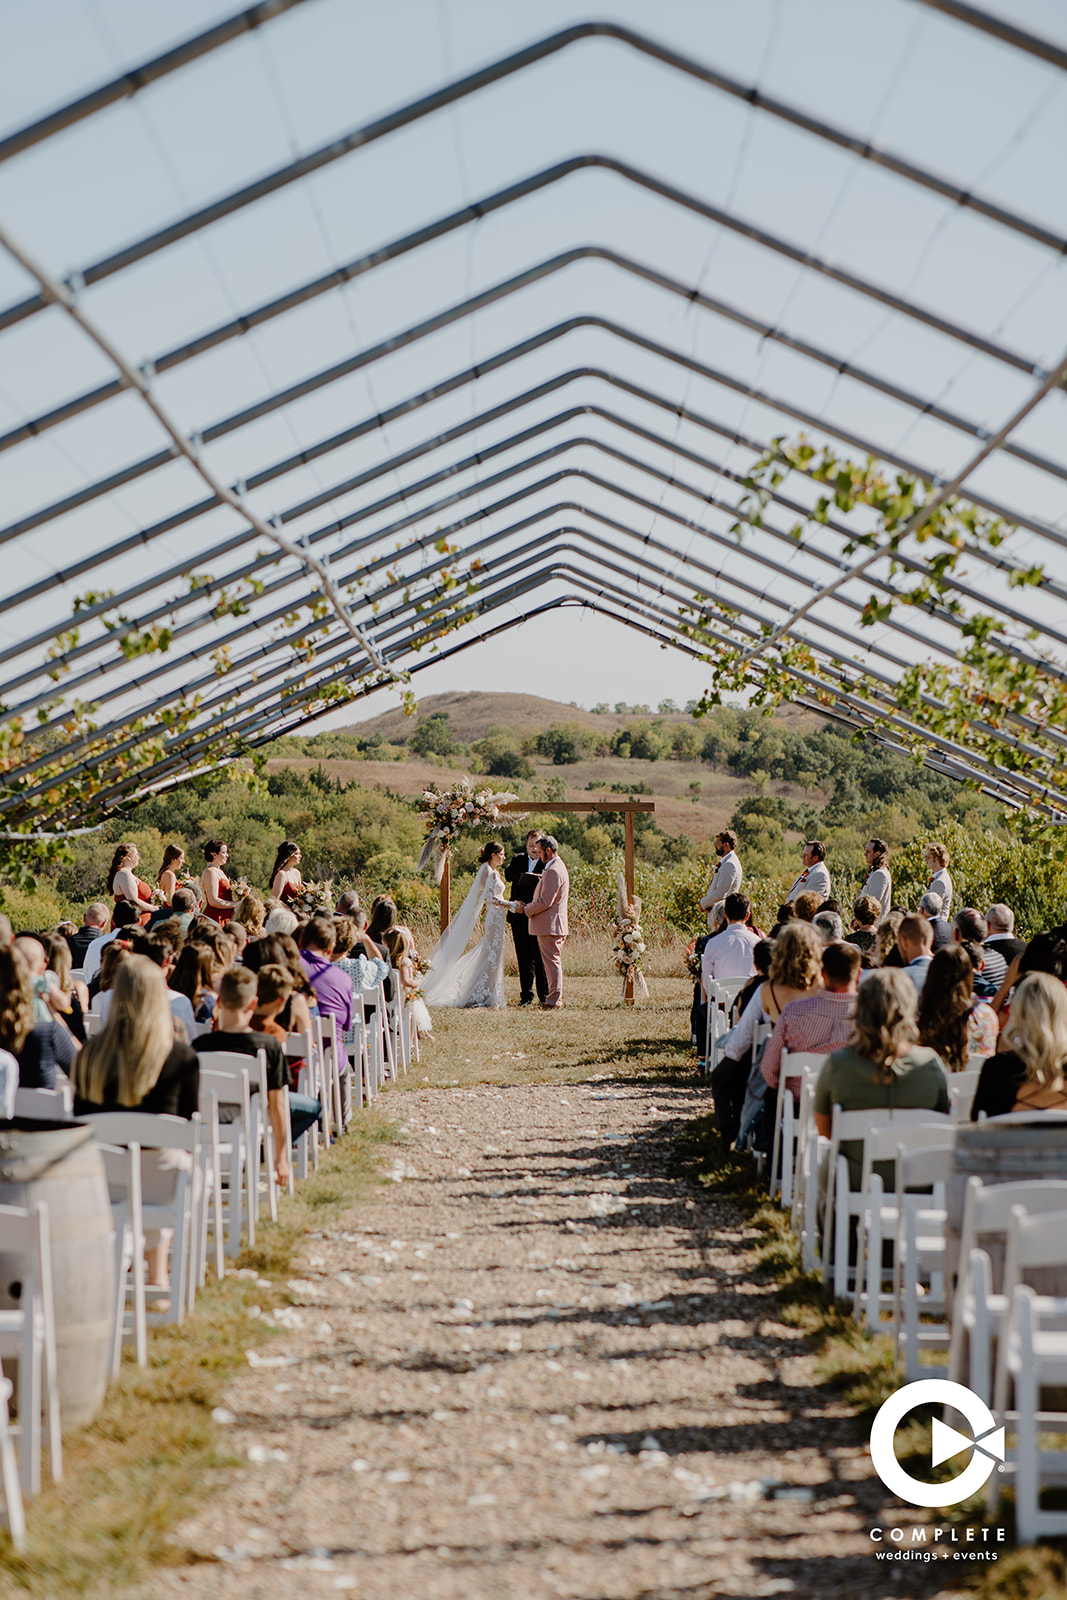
(820, 1021)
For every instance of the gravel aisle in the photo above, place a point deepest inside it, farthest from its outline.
(535, 1365)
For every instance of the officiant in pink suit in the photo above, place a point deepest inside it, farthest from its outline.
(547, 912)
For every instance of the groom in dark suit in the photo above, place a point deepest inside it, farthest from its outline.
(522, 872)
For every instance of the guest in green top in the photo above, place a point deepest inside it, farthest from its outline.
(882, 1067)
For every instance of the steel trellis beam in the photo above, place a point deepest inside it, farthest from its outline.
(476, 211)
(499, 291)
(358, 138)
(128, 83)
(1000, 28)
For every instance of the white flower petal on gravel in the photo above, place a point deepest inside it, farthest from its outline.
(254, 1359)
(604, 1205)
(599, 1469)
(398, 1475)
(223, 1417)
(359, 1465)
(260, 1454)
(482, 1500)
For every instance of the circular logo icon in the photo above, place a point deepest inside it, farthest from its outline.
(986, 1443)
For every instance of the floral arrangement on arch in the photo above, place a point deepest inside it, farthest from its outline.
(629, 941)
(452, 811)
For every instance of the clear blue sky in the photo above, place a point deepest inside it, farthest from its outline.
(890, 70)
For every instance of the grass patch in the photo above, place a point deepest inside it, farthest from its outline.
(595, 1034)
(154, 1454)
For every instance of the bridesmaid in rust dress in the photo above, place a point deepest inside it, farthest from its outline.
(218, 901)
(286, 882)
(124, 884)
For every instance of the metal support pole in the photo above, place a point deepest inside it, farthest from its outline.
(628, 995)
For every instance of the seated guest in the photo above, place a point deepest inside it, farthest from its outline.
(192, 981)
(238, 999)
(280, 949)
(915, 939)
(251, 913)
(970, 925)
(952, 1019)
(94, 926)
(382, 917)
(1000, 922)
(281, 920)
(239, 935)
(160, 953)
(1027, 1075)
(784, 915)
(400, 943)
(827, 925)
(135, 1064)
(885, 950)
(333, 991)
(347, 904)
(762, 955)
(882, 1066)
(796, 969)
(75, 993)
(729, 954)
(865, 914)
(180, 908)
(806, 905)
(125, 917)
(930, 908)
(977, 952)
(819, 1021)
(30, 1029)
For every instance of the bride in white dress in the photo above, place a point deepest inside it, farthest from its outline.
(462, 977)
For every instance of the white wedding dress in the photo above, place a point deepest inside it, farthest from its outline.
(462, 977)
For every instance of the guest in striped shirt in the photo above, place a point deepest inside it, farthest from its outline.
(819, 1021)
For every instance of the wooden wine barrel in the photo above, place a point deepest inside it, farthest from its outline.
(60, 1163)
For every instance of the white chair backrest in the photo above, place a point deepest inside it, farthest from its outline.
(232, 1068)
(725, 990)
(93, 1023)
(967, 1079)
(298, 1046)
(44, 1104)
(987, 1208)
(923, 1167)
(798, 1063)
(152, 1131)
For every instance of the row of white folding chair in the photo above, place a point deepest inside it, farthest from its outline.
(244, 1142)
(842, 1203)
(405, 1035)
(979, 1306)
(961, 1088)
(122, 1168)
(920, 1258)
(795, 1064)
(28, 1335)
(302, 1047)
(722, 992)
(371, 1039)
(879, 1212)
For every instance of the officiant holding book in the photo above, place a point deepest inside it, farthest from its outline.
(522, 873)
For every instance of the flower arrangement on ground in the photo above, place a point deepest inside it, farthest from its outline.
(629, 941)
(452, 811)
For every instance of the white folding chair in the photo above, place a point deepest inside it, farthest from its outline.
(979, 1308)
(122, 1168)
(28, 1334)
(227, 1076)
(722, 992)
(44, 1105)
(93, 1023)
(842, 1202)
(301, 1047)
(1036, 1358)
(919, 1258)
(795, 1064)
(181, 1139)
(878, 1213)
(355, 1042)
(209, 1199)
(9, 1472)
(335, 1066)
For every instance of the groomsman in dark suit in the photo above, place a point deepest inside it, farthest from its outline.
(522, 873)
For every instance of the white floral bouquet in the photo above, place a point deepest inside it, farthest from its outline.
(458, 809)
(629, 941)
(313, 896)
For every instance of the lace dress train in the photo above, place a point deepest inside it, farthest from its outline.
(460, 977)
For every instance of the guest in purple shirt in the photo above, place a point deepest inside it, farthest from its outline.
(333, 989)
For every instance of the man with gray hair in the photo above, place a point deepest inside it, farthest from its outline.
(829, 927)
(930, 907)
(1000, 920)
(95, 919)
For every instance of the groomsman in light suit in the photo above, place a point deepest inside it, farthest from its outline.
(727, 876)
(522, 873)
(547, 913)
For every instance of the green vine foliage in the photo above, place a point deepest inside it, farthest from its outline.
(1003, 699)
(76, 767)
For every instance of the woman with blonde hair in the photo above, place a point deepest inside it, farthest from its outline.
(251, 913)
(400, 943)
(883, 1066)
(134, 1064)
(1028, 1074)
